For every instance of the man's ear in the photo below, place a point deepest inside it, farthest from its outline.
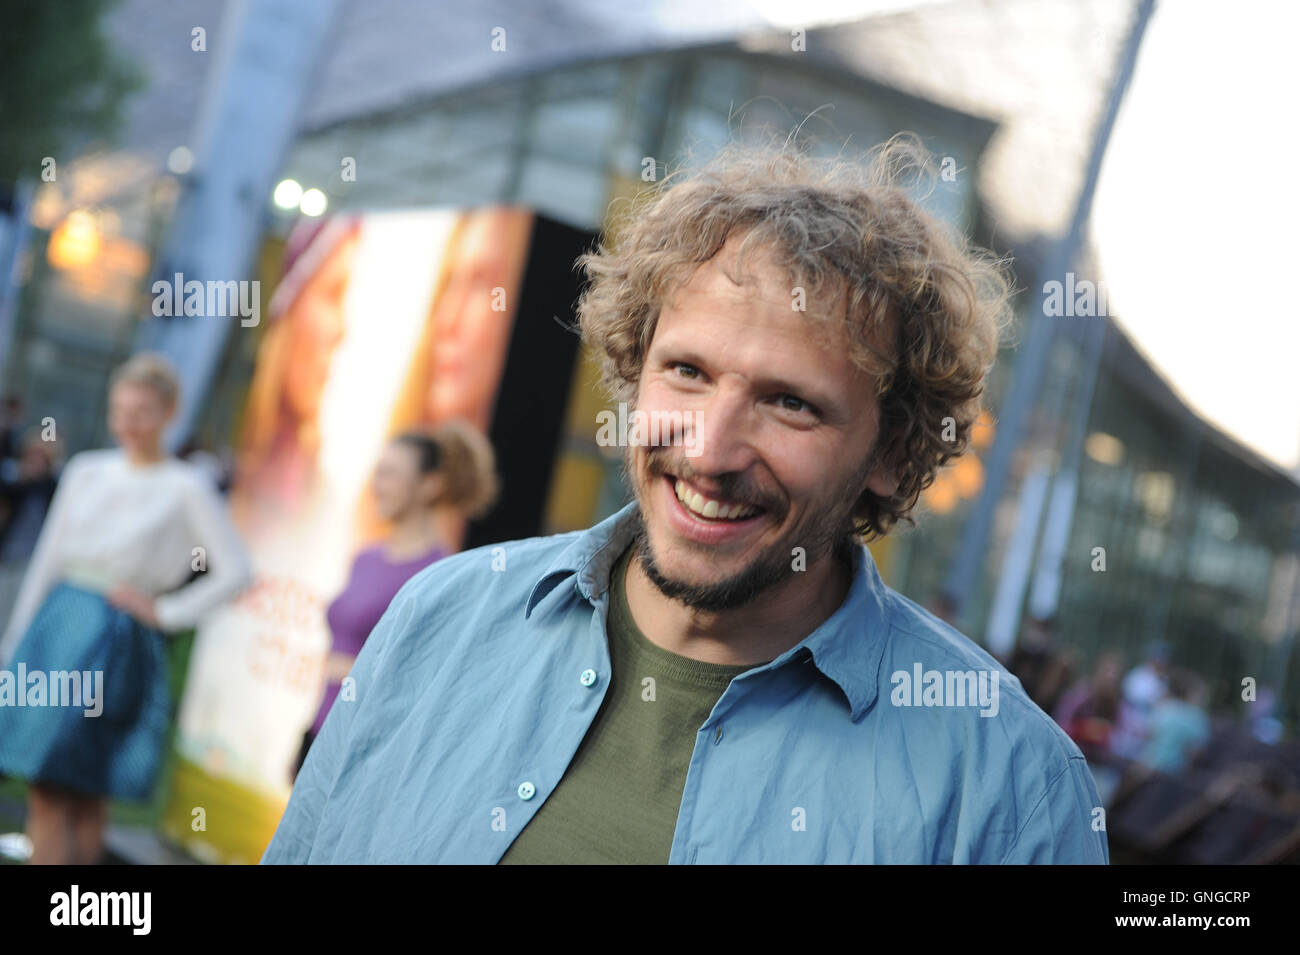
(883, 480)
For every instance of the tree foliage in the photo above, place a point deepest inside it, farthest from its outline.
(61, 81)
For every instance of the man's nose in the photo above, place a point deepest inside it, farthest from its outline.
(719, 436)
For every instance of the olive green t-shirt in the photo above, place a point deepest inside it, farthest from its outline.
(618, 800)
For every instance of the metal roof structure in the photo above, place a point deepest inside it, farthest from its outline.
(1040, 71)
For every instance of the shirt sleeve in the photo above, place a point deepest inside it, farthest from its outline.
(228, 568)
(43, 566)
(297, 835)
(1067, 826)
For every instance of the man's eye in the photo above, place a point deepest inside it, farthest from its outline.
(791, 403)
(684, 370)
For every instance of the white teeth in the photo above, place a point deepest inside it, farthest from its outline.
(705, 507)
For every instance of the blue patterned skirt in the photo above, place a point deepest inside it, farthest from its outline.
(116, 753)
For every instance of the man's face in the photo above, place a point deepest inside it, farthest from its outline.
(785, 425)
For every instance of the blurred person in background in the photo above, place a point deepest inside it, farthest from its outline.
(465, 347)
(1043, 668)
(125, 530)
(24, 500)
(1179, 725)
(1143, 687)
(281, 435)
(1089, 710)
(1262, 717)
(11, 425)
(423, 484)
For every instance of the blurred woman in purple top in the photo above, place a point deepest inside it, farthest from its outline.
(423, 484)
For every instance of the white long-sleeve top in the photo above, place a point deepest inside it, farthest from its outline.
(114, 523)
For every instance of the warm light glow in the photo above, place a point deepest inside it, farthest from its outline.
(313, 202)
(1104, 448)
(968, 476)
(981, 433)
(941, 496)
(1156, 489)
(75, 243)
(287, 194)
(47, 207)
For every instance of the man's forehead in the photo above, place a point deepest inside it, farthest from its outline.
(763, 281)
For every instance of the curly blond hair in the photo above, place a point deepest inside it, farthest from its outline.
(153, 370)
(913, 282)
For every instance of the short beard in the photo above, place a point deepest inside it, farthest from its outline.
(834, 537)
(728, 594)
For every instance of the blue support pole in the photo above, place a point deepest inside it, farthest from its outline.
(266, 58)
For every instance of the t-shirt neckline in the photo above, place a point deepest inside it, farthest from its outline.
(673, 664)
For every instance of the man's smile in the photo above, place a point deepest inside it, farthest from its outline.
(707, 519)
(711, 506)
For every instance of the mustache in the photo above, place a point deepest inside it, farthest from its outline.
(734, 487)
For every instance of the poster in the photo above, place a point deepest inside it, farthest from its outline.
(379, 323)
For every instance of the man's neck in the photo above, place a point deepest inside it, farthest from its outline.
(755, 633)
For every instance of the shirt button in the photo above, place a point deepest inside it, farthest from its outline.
(717, 737)
(527, 790)
(587, 677)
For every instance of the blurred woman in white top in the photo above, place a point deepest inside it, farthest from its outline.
(111, 573)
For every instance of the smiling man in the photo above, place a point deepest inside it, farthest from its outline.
(717, 673)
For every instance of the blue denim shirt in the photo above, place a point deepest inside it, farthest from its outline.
(857, 745)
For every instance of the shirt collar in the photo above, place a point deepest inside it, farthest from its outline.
(847, 647)
(590, 557)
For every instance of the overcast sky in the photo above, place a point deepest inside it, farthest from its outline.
(1198, 213)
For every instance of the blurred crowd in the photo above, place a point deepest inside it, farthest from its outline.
(1180, 784)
